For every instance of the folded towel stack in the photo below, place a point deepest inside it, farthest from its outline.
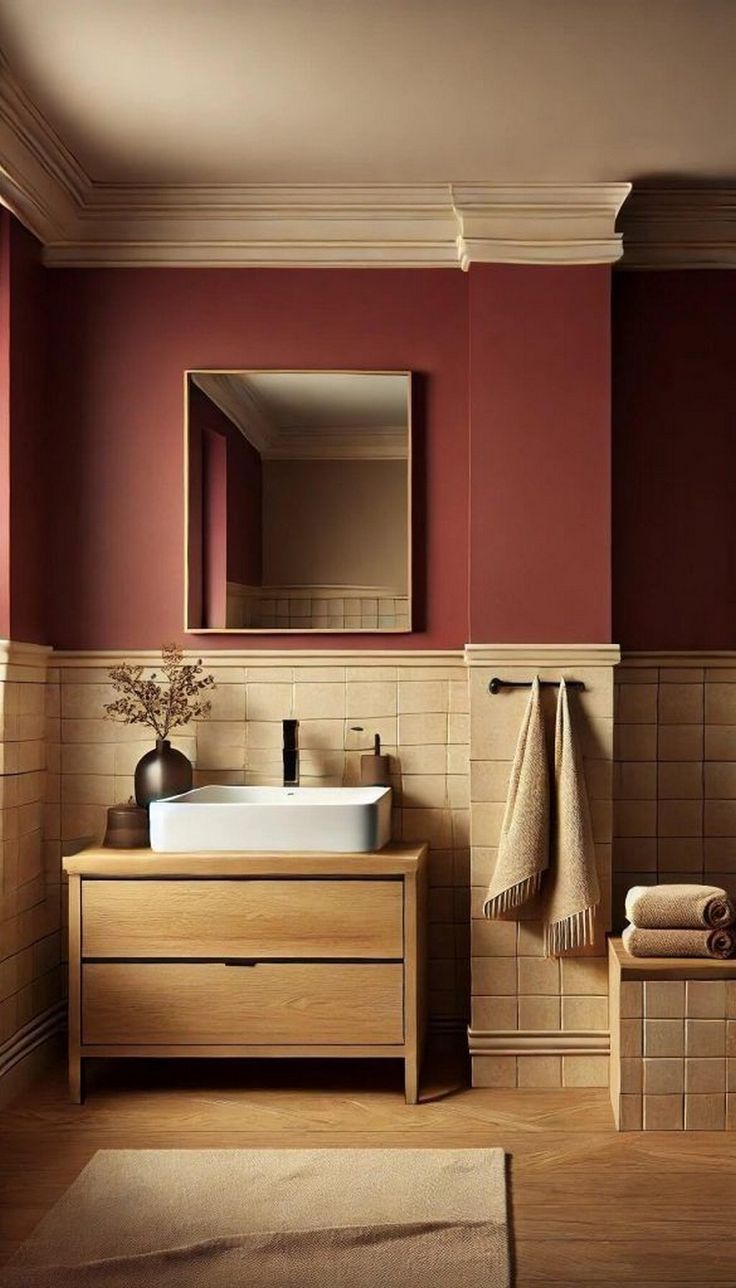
(680, 921)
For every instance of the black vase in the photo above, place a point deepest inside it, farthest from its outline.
(160, 773)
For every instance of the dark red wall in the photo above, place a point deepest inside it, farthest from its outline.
(24, 429)
(540, 457)
(674, 415)
(243, 489)
(120, 343)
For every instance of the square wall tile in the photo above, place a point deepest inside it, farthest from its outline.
(632, 999)
(680, 742)
(494, 1071)
(705, 1076)
(637, 704)
(705, 1113)
(663, 1113)
(630, 1113)
(705, 1038)
(665, 1038)
(706, 999)
(632, 1076)
(680, 818)
(665, 1076)
(680, 704)
(539, 1071)
(664, 999)
(680, 780)
(540, 1013)
(585, 1070)
(539, 976)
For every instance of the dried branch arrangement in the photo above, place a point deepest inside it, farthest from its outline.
(162, 704)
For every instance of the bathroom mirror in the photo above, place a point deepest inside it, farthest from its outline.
(298, 501)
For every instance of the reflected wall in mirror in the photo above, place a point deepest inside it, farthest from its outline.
(298, 501)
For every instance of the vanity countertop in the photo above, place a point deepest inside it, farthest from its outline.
(394, 860)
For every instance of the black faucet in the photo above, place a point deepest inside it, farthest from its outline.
(291, 752)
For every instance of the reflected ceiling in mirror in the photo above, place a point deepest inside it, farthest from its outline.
(298, 501)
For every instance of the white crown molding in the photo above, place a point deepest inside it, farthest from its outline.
(40, 180)
(84, 222)
(538, 223)
(542, 655)
(426, 225)
(538, 1042)
(680, 228)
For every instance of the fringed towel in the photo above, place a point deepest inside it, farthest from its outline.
(573, 889)
(719, 943)
(687, 907)
(523, 850)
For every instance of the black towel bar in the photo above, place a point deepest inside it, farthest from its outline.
(496, 685)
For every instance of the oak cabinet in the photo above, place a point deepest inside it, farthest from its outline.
(247, 955)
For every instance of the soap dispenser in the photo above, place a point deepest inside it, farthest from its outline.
(375, 768)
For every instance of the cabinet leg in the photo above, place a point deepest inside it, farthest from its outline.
(411, 1079)
(76, 1080)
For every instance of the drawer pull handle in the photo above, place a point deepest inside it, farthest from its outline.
(240, 961)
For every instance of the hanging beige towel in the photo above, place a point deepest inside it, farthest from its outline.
(523, 850)
(688, 907)
(679, 943)
(573, 892)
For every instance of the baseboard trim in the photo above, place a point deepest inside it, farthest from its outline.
(538, 1042)
(25, 1054)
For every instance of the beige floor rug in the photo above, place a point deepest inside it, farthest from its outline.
(370, 1218)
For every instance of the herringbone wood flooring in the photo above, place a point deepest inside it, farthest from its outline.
(589, 1206)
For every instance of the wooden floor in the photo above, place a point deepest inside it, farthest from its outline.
(589, 1206)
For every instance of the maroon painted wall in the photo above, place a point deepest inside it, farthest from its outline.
(674, 416)
(5, 315)
(241, 501)
(120, 342)
(540, 454)
(23, 435)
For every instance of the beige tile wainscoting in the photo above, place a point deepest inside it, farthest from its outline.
(536, 1022)
(31, 983)
(675, 780)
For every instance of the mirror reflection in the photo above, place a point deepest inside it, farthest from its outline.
(298, 500)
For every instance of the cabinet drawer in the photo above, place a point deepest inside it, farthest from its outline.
(249, 918)
(271, 1003)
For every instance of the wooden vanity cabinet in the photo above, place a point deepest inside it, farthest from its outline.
(247, 955)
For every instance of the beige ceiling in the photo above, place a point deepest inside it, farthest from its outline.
(383, 91)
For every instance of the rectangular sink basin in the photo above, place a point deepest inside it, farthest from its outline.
(341, 820)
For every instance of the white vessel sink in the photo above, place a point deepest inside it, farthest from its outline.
(343, 820)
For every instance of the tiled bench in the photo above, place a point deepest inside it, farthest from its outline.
(673, 1042)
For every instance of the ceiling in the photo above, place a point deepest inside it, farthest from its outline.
(382, 91)
(361, 131)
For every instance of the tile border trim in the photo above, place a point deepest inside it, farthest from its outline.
(556, 655)
(680, 658)
(538, 1042)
